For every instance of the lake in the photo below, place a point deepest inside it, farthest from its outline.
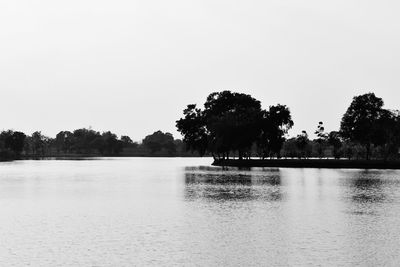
(182, 212)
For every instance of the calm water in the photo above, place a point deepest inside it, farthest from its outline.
(142, 211)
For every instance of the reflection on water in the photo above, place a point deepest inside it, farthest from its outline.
(370, 191)
(219, 184)
(368, 188)
(158, 212)
(319, 216)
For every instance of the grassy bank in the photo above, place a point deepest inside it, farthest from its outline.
(310, 163)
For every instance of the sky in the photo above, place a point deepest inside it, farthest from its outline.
(132, 66)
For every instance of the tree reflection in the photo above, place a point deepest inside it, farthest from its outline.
(367, 187)
(209, 183)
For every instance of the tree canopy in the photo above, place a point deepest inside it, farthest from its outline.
(274, 125)
(233, 122)
(158, 140)
(12, 141)
(367, 123)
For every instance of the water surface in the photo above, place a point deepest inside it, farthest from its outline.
(165, 211)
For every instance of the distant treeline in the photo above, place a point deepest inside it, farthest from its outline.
(234, 125)
(86, 142)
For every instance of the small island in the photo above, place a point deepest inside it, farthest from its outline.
(236, 131)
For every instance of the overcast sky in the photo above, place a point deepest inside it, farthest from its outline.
(132, 66)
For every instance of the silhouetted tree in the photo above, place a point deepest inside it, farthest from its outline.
(387, 133)
(302, 142)
(39, 143)
(274, 124)
(13, 141)
(232, 120)
(193, 128)
(360, 122)
(87, 141)
(158, 141)
(64, 141)
(17, 142)
(126, 140)
(290, 149)
(321, 139)
(11, 144)
(335, 141)
(111, 144)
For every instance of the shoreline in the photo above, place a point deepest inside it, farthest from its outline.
(91, 157)
(310, 163)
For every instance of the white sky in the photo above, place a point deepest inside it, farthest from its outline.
(132, 66)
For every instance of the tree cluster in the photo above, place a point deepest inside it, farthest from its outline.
(80, 141)
(159, 141)
(367, 131)
(233, 123)
(368, 124)
(11, 144)
(87, 142)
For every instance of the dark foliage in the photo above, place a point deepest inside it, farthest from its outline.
(334, 139)
(11, 143)
(368, 124)
(232, 123)
(193, 129)
(302, 143)
(274, 125)
(87, 143)
(159, 141)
